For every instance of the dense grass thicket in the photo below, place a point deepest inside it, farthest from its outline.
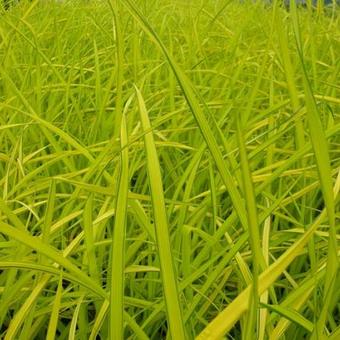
(169, 170)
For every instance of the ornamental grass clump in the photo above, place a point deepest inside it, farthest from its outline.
(169, 169)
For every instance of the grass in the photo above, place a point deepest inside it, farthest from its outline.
(169, 170)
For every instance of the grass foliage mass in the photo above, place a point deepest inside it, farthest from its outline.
(169, 170)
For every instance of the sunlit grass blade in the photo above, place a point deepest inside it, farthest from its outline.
(74, 321)
(169, 278)
(20, 316)
(254, 232)
(99, 320)
(115, 8)
(49, 213)
(291, 315)
(283, 324)
(89, 239)
(53, 322)
(118, 242)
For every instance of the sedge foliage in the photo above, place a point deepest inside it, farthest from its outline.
(169, 169)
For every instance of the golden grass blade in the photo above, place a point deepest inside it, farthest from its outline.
(118, 243)
(169, 277)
